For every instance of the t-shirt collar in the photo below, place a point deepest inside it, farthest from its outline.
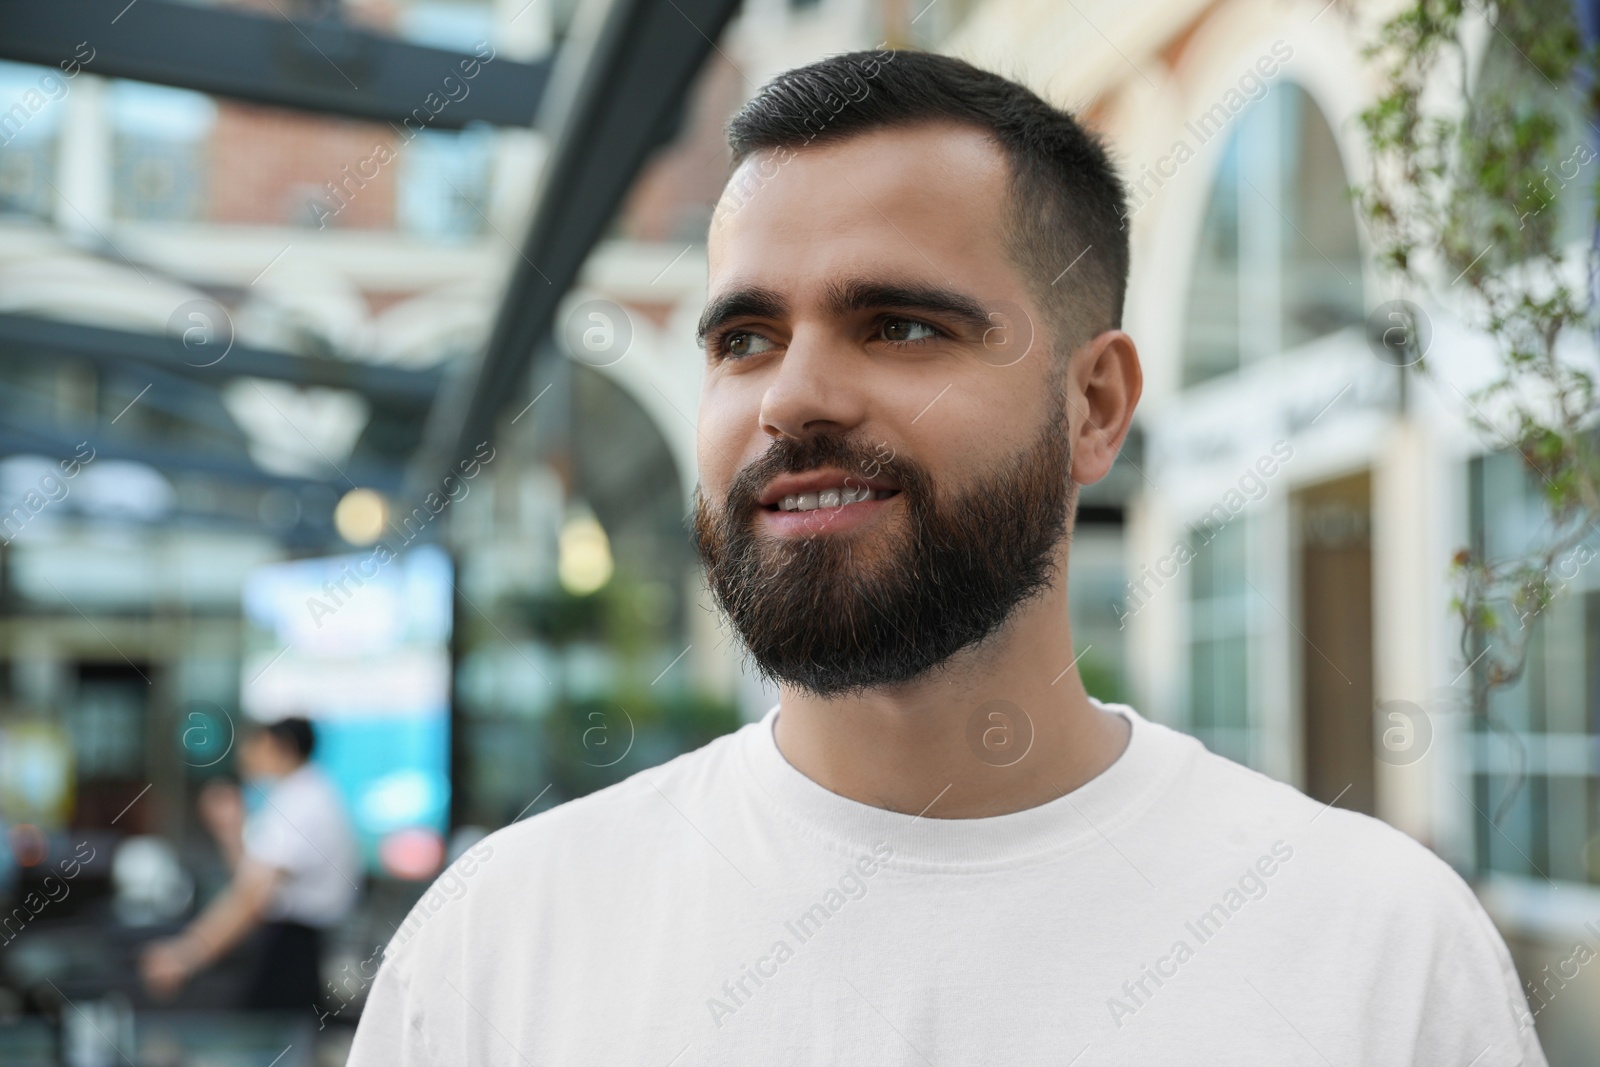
(1091, 813)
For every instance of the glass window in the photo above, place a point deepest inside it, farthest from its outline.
(1558, 207)
(1219, 640)
(1534, 761)
(1097, 575)
(444, 183)
(1278, 262)
(160, 148)
(32, 101)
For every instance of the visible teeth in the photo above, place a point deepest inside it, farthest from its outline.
(829, 498)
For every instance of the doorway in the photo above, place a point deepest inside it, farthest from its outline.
(1333, 523)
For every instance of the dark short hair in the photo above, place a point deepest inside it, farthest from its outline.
(1068, 206)
(294, 732)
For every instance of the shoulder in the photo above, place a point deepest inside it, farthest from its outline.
(305, 787)
(1355, 852)
(1368, 906)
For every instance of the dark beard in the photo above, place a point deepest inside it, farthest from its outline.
(815, 614)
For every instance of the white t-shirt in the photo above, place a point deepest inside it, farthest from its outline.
(301, 829)
(725, 909)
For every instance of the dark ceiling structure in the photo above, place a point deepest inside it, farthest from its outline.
(320, 65)
(626, 91)
(605, 101)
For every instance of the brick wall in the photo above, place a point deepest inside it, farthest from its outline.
(674, 194)
(267, 164)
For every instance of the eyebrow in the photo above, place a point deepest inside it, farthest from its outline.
(748, 300)
(844, 298)
(856, 295)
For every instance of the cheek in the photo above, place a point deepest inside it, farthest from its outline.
(729, 416)
(973, 425)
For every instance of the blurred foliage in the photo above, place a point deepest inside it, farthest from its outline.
(644, 719)
(596, 743)
(560, 618)
(1483, 194)
(1102, 678)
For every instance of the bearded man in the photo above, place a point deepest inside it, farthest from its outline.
(936, 848)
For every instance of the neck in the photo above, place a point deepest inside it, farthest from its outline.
(955, 744)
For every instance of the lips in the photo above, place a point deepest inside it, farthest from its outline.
(846, 487)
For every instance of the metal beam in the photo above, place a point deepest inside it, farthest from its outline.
(625, 87)
(32, 438)
(182, 400)
(318, 65)
(21, 335)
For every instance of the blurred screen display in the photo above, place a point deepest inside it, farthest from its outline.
(360, 645)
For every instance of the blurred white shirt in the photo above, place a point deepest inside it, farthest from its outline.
(302, 830)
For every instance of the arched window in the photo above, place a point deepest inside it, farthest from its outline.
(1278, 262)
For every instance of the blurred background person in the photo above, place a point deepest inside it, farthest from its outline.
(295, 867)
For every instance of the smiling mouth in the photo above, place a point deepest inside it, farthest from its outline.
(839, 496)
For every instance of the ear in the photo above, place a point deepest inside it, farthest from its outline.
(1104, 381)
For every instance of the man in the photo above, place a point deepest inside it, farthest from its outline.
(295, 869)
(936, 848)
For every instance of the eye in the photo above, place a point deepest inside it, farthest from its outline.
(903, 331)
(741, 343)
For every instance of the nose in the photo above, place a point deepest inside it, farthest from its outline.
(816, 390)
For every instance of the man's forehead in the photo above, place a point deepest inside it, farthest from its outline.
(931, 194)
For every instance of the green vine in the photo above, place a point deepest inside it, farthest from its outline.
(1482, 194)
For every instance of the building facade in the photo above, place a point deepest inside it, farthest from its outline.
(1287, 553)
